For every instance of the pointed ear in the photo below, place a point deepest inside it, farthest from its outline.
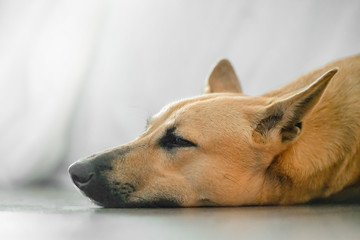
(223, 79)
(284, 116)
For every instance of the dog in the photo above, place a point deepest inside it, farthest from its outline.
(292, 145)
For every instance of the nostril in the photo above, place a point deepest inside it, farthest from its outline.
(81, 180)
(81, 174)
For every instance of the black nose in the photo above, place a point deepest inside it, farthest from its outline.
(81, 173)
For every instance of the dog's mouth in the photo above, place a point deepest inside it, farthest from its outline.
(119, 197)
(111, 194)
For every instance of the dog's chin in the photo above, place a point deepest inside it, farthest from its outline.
(107, 198)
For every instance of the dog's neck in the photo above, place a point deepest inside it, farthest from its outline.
(316, 167)
(325, 159)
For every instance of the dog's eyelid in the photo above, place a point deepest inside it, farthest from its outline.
(171, 140)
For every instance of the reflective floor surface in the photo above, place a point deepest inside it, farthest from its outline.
(55, 213)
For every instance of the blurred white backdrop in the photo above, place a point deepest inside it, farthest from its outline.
(80, 76)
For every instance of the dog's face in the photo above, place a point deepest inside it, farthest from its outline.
(211, 150)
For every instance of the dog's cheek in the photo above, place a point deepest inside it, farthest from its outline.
(219, 181)
(200, 181)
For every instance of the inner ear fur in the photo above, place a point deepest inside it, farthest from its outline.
(285, 114)
(223, 79)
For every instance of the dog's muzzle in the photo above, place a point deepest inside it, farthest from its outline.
(91, 176)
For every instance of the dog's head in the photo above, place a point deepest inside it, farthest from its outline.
(215, 149)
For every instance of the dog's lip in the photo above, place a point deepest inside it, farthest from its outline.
(159, 203)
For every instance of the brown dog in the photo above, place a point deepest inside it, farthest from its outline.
(292, 145)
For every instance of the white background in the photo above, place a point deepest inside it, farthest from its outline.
(80, 76)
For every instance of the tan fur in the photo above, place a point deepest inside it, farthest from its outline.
(326, 158)
(291, 145)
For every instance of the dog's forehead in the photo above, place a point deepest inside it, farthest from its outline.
(203, 107)
(172, 107)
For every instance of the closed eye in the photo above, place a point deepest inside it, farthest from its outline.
(171, 141)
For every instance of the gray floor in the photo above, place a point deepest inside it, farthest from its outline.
(53, 213)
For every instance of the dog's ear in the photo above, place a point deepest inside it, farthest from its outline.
(223, 79)
(284, 115)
